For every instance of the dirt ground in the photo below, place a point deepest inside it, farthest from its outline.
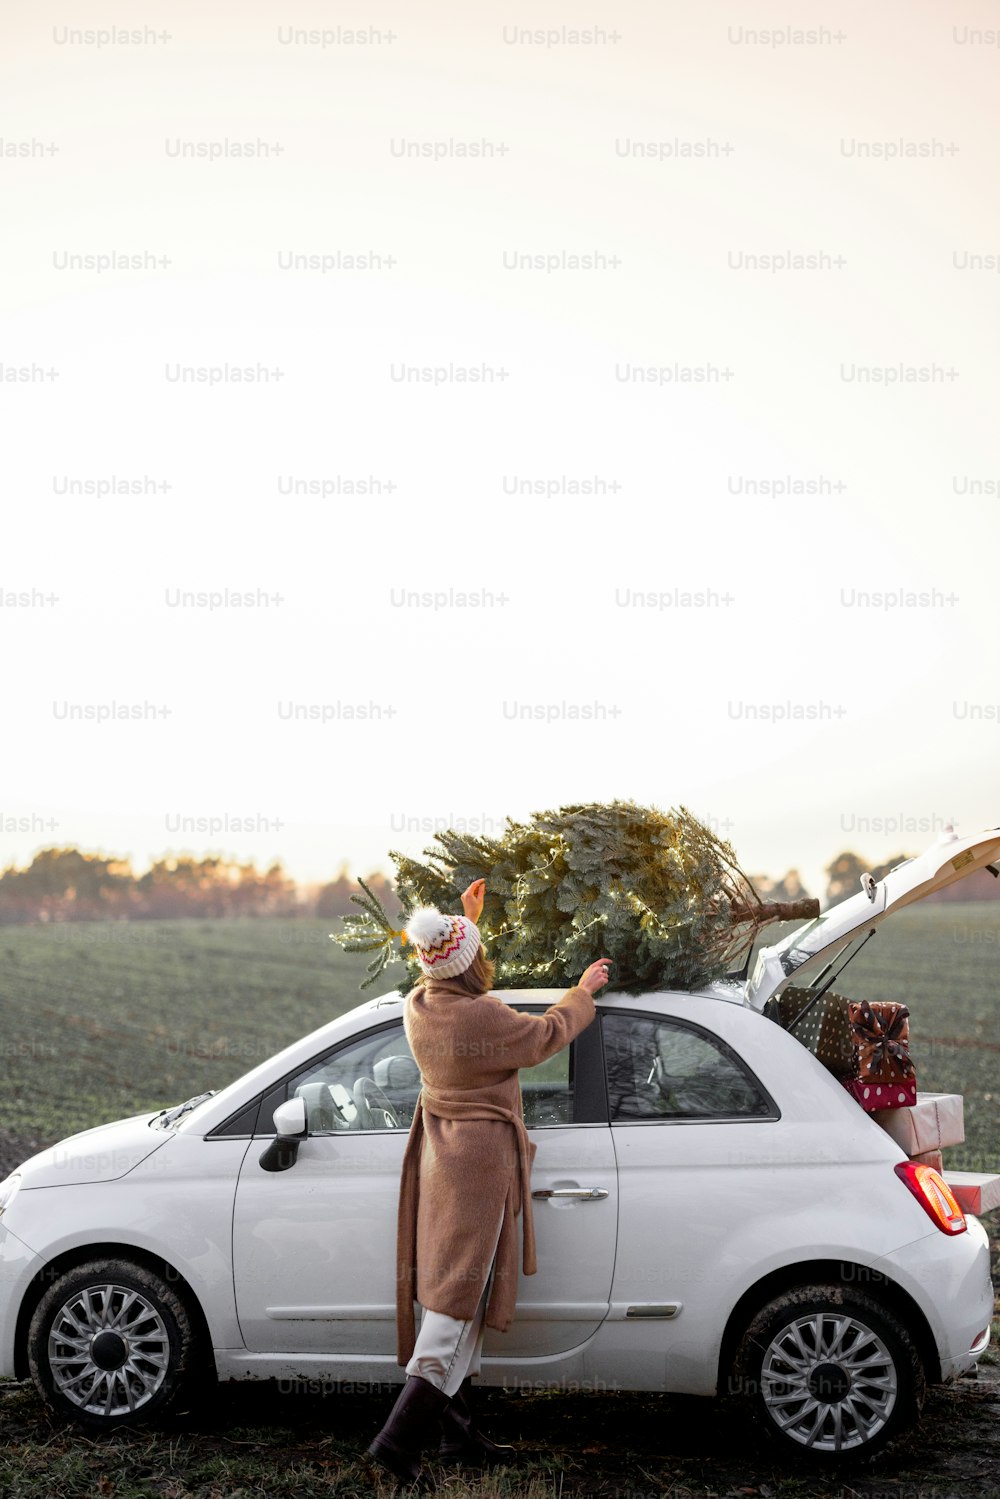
(258, 1440)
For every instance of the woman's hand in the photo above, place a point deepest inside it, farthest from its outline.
(596, 976)
(472, 900)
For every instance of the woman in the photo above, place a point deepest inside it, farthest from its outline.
(465, 1178)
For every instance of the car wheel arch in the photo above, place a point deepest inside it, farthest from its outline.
(82, 1254)
(811, 1272)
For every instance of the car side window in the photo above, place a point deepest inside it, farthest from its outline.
(547, 1090)
(664, 1069)
(371, 1083)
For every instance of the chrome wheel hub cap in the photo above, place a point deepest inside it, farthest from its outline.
(828, 1382)
(108, 1350)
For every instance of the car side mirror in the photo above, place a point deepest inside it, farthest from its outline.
(291, 1129)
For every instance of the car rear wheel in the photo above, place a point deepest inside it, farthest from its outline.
(110, 1343)
(830, 1373)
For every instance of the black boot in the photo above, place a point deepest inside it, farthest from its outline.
(463, 1442)
(412, 1424)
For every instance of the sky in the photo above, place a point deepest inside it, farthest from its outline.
(433, 415)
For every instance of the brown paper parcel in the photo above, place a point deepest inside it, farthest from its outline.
(933, 1122)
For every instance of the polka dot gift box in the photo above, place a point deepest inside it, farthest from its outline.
(821, 1023)
(883, 1076)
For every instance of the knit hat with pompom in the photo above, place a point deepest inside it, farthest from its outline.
(445, 945)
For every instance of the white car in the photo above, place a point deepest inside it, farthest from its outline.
(714, 1214)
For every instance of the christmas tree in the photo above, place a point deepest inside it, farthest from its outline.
(656, 892)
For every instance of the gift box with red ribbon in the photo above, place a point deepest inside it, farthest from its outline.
(883, 1075)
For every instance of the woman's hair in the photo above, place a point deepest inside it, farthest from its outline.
(477, 978)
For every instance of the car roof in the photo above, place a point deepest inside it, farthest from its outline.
(730, 990)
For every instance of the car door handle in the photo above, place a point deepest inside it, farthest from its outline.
(586, 1193)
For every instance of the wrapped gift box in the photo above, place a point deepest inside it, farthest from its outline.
(930, 1158)
(934, 1121)
(881, 1039)
(821, 1025)
(882, 1076)
(882, 1098)
(976, 1192)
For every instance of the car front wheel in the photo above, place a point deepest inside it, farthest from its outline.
(110, 1343)
(830, 1373)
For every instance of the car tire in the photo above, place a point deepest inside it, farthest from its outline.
(829, 1373)
(111, 1343)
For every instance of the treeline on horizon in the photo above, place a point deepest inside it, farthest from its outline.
(66, 884)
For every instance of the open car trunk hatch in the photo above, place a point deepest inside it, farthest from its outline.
(843, 928)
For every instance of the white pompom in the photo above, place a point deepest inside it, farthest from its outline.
(426, 926)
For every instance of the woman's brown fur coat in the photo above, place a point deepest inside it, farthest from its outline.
(468, 1156)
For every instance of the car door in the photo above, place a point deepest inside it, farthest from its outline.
(574, 1189)
(686, 1117)
(314, 1247)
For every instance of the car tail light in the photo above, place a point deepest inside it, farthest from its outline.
(934, 1195)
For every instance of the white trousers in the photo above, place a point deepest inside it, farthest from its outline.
(447, 1349)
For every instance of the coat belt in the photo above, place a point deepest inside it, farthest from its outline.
(447, 1108)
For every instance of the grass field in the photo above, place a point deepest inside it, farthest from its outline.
(107, 1019)
(102, 1020)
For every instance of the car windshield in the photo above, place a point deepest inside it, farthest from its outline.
(167, 1118)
